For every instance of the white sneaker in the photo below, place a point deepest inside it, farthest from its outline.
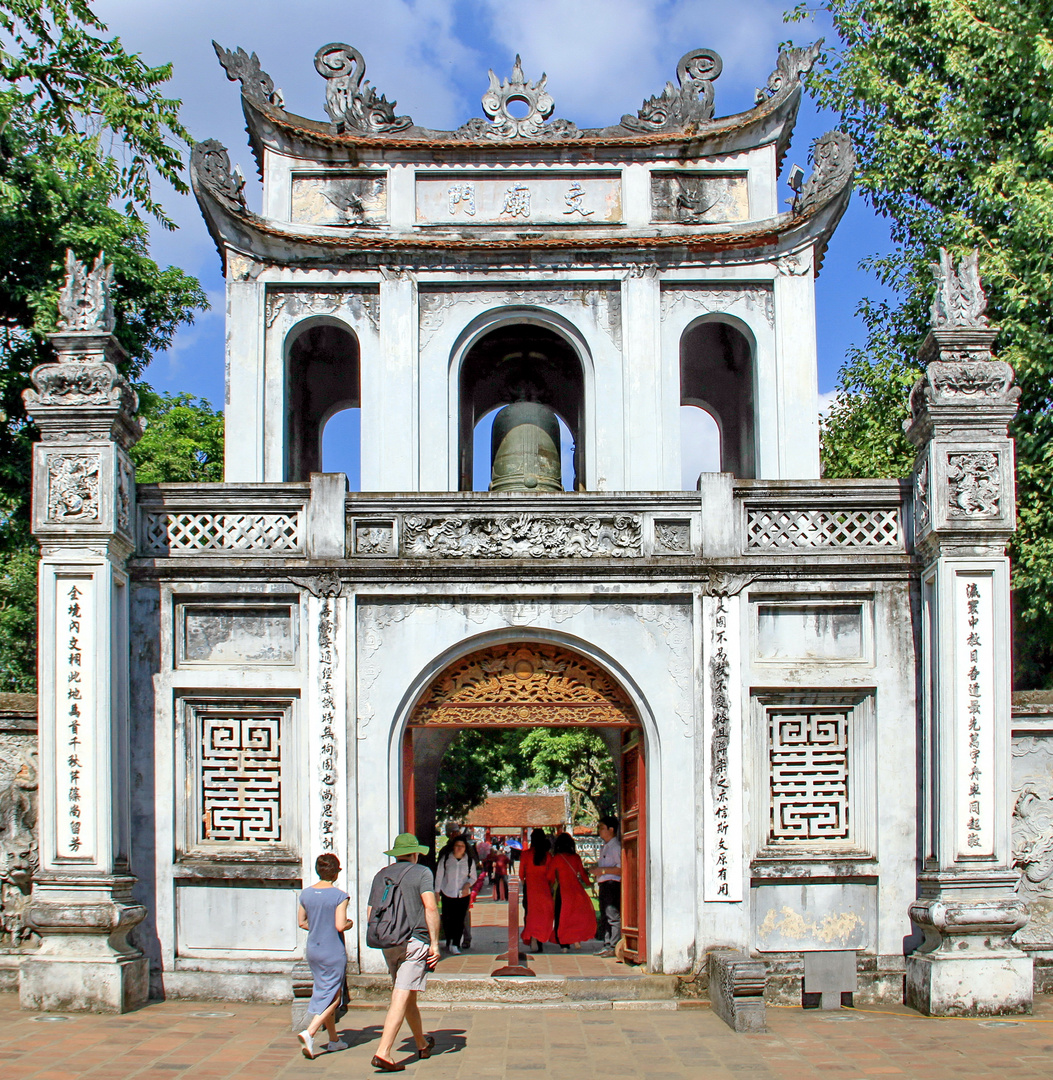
(454, 951)
(307, 1044)
(333, 1047)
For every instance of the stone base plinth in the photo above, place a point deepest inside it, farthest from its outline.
(985, 985)
(112, 984)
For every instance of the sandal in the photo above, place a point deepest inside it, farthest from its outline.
(426, 1051)
(386, 1066)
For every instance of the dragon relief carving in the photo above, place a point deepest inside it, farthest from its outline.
(959, 301)
(85, 302)
(19, 851)
(211, 163)
(1033, 835)
(833, 161)
(73, 488)
(974, 480)
(692, 103)
(524, 684)
(791, 65)
(501, 124)
(352, 104)
(521, 536)
(256, 84)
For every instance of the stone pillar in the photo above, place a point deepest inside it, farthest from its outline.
(964, 513)
(83, 506)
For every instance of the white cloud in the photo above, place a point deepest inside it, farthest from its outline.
(826, 401)
(699, 445)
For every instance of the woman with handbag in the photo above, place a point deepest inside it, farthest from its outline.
(537, 891)
(454, 874)
(575, 916)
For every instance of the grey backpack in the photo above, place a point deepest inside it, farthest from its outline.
(389, 922)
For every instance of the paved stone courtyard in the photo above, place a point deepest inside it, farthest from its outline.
(175, 1039)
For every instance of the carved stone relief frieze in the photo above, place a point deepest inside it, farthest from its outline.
(974, 481)
(1033, 834)
(605, 303)
(340, 200)
(515, 536)
(724, 298)
(125, 494)
(922, 509)
(359, 305)
(73, 488)
(19, 845)
(699, 199)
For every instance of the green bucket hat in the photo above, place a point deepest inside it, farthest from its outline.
(406, 844)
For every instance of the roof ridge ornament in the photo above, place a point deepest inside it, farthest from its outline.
(84, 302)
(793, 63)
(256, 84)
(834, 162)
(352, 104)
(692, 103)
(210, 162)
(959, 302)
(501, 124)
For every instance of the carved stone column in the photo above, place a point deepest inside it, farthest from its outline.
(964, 514)
(83, 495)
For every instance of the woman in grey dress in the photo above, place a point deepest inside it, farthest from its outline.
(323, 914)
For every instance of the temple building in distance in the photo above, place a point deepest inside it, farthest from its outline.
(804, 683)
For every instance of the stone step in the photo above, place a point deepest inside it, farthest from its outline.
(596, 1005)
(544, 991)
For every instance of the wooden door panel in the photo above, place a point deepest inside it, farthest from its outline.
(634, 863)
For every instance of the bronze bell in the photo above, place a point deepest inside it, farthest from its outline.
(524, 449)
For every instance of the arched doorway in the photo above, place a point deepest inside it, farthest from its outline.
(535, 684)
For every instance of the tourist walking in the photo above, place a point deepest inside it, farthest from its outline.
(537, 891)
(323, 914)
(609, 886)
(575, 917)
(454, 875)
(403, 920)
(501, 863)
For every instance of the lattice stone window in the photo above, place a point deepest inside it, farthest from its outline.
(815, 751)
(240, 776)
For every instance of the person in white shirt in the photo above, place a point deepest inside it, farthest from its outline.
(609, 882)
(454, 875)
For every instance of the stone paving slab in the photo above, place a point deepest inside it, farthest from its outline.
(172, 1039)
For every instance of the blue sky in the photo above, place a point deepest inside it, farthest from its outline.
(602, 57)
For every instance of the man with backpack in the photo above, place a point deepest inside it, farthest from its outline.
(403, 920)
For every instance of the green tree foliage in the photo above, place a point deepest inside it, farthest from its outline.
(479, 763)
(84, 128)
(950, 106)
(578, 758)
(183, 441)
(476, 764)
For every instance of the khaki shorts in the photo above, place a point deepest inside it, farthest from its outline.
(408, 964)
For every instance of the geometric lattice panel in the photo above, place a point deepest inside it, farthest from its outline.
(171, 532)
(809, 774)
(240, 766)
(778, 528)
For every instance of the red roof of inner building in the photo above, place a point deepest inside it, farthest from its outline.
(519, 812)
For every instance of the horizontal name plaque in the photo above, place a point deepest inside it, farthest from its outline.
(464, 199)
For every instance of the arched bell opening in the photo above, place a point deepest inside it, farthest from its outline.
(321, 380)
(522, 362)
(716, 375)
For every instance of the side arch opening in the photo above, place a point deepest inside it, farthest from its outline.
(322, 379)
(717, 376)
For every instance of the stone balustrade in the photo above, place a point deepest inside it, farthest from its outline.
(728, 519)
